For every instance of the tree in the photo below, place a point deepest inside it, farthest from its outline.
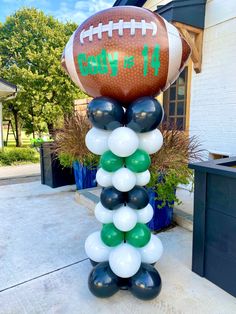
(31, 44)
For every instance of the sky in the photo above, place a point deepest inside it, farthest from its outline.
(70, 10)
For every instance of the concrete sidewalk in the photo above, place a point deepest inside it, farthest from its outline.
(19, 174)
(44, 268)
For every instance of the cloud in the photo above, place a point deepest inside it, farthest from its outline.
(80, 10)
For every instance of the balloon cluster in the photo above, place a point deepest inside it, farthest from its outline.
(124, 250)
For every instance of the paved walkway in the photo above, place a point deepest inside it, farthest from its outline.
(44, 268)
(19, 174)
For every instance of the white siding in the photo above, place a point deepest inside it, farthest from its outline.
(213, 91)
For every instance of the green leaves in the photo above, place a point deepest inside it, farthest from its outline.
(31, 45)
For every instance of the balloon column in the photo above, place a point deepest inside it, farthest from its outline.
(123, 57)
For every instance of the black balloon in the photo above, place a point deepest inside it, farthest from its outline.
(93, 263)
(137, 198)
(102, 281)
(146, 283)
(144, 114)
(111, 198)
(105, 113)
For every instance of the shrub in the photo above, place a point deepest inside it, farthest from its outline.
(16, 155)
(70, 142)
(169, 166)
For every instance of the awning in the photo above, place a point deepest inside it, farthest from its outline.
(7, 90)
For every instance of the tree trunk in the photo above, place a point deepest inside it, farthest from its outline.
(18, 129)
(51, 130)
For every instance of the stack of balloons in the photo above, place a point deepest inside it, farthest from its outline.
(125, 248)
(123, 57)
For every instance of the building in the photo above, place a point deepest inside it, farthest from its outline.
(7, 91)
(203, 100)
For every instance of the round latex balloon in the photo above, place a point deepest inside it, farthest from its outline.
(144, 114)
(102, 282)
(138, 236)
(111, 198)
(125, 52)
(123, 142)
(151, 142)
(102, 214)
(96, 141)
(137, 198)
(142, 178)
(124, 180)
(110, 162)
(153, 251)
(105, 113)
(96, 249)
(145, 214)
(146, 283)
(139, 161)
(93, 263)
(124, 218)
(104, 178)
(111, 236)
(124, 260)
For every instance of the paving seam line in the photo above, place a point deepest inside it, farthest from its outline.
(43, 275)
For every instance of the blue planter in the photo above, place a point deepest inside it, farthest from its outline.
(84, 177)
(162, 217)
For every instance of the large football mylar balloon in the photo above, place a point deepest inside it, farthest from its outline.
(125, 53)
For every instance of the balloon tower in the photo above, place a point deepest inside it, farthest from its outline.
(123, 57)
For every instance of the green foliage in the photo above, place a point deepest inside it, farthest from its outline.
(31, 46)
(169, 167)
(165, 185)
(13, 156)
(90, 161)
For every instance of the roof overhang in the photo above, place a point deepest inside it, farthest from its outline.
(190, 12)
(7, 90)
(136, 3)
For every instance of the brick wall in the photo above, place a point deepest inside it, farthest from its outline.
(213, 91)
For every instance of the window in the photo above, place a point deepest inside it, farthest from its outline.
(175, 103)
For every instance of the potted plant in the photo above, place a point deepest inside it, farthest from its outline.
(72, 151)
(169, 169)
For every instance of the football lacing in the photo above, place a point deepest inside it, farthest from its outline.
(119, 26)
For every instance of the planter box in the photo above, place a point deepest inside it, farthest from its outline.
(84, 177)
(214, 227)
(162, 217)
(52, 173)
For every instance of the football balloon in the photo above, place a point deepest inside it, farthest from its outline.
(125, 53)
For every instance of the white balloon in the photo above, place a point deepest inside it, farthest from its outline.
(145, 214)
(124, 218)
(123, 142)
(151, 141)
(125, 260)
(104, 178)
(142, 178)
(102, 214)
(124, 180)
(96, 249)
(151, 252)
(96, 141)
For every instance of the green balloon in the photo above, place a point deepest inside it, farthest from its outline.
(111, 236)
(139, 236)
(110, 162)
(139, 161)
